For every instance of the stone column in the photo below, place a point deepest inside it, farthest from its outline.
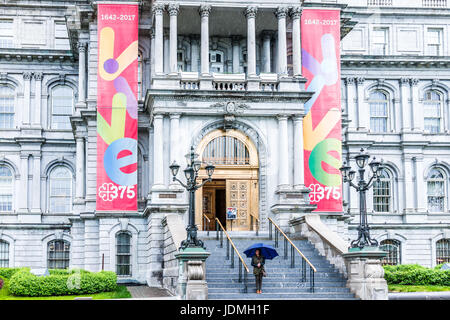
(158, 10)
(82, 46)
(299, 174)
(204, 11)
(421, 191)
(405, 108)
(266, 50)
(363, 114)
(80, 161)
(283, 153)
(38, 99)
(173, 10)
(408, 174)
(158, 157)
(296, 13)
(166, 34)
(275, 53)
(36, 184)
(235, 41)
(281, 13)
(152, 58)
(23, 204)
(194, 53)
(174, 138)
(416, 110)
(27, 97)
(250, 14)
(351, 103)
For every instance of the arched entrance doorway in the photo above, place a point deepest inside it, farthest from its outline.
(235, 186)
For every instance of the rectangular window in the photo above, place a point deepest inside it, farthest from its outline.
(123, 254)
(380, 41)
(378, 117)
(434, 39)
(61, 36)
(6, 34)
(6, 107)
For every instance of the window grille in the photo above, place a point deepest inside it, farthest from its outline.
(6, 189)
(393, 249)
(58, 254)
(382, 193)
(60, 190)
(436, 190)
(443, 251)
(378, 105)
(226, 150)
(6, 107)
(123, 254)
(4, 254)
(432, 111)
(62, 107)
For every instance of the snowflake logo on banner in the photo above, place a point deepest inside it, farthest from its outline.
(107, 191)
(316, 193)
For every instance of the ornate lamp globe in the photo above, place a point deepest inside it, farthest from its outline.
(174, 168)
(362, 159)
(210, 169)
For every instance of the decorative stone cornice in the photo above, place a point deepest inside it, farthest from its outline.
(204, 10)
(296, 12)
(281, 12)
(371, 61)
(39, 55)
(158, 8)
(230, 107)
(250, 12)
(173, 9)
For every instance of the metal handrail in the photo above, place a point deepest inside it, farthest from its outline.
(293, 249)
(257, 223)
(205, 217)
(241, 261)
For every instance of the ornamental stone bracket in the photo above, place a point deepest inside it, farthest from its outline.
(230, 110)
(366, 274)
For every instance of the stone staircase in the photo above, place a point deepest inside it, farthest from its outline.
(282, 282)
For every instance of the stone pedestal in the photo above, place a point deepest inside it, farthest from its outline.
(192, 274)
(365, 273)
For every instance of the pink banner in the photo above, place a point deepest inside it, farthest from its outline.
(117, 107)
(320, 37)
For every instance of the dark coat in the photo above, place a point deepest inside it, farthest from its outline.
(255, 261)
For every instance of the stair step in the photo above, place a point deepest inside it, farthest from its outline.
(264, 295)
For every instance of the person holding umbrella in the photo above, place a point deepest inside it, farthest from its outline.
(259, 252)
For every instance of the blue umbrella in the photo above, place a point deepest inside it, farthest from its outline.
(267, 251)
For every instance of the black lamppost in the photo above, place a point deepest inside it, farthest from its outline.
(191, 173)
(362, 186)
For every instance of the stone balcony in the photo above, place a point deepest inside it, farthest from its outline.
(223, 82)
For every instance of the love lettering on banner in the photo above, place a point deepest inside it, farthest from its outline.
(117, 107)
(322, 140)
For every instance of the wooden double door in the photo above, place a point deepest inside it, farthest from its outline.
(237, 195)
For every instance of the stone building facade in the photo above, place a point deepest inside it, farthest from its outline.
(218, 76)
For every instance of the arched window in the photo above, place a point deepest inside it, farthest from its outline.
(58, 254)
(432, 106)
(379, 110)
(436, 190)
(382, 193)
(123, 254)
(60, 190)
(443, 251)
(6, 189)
(4, 254)
(62, 107)
(7, 97)
(392, 247)
(226, 150)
